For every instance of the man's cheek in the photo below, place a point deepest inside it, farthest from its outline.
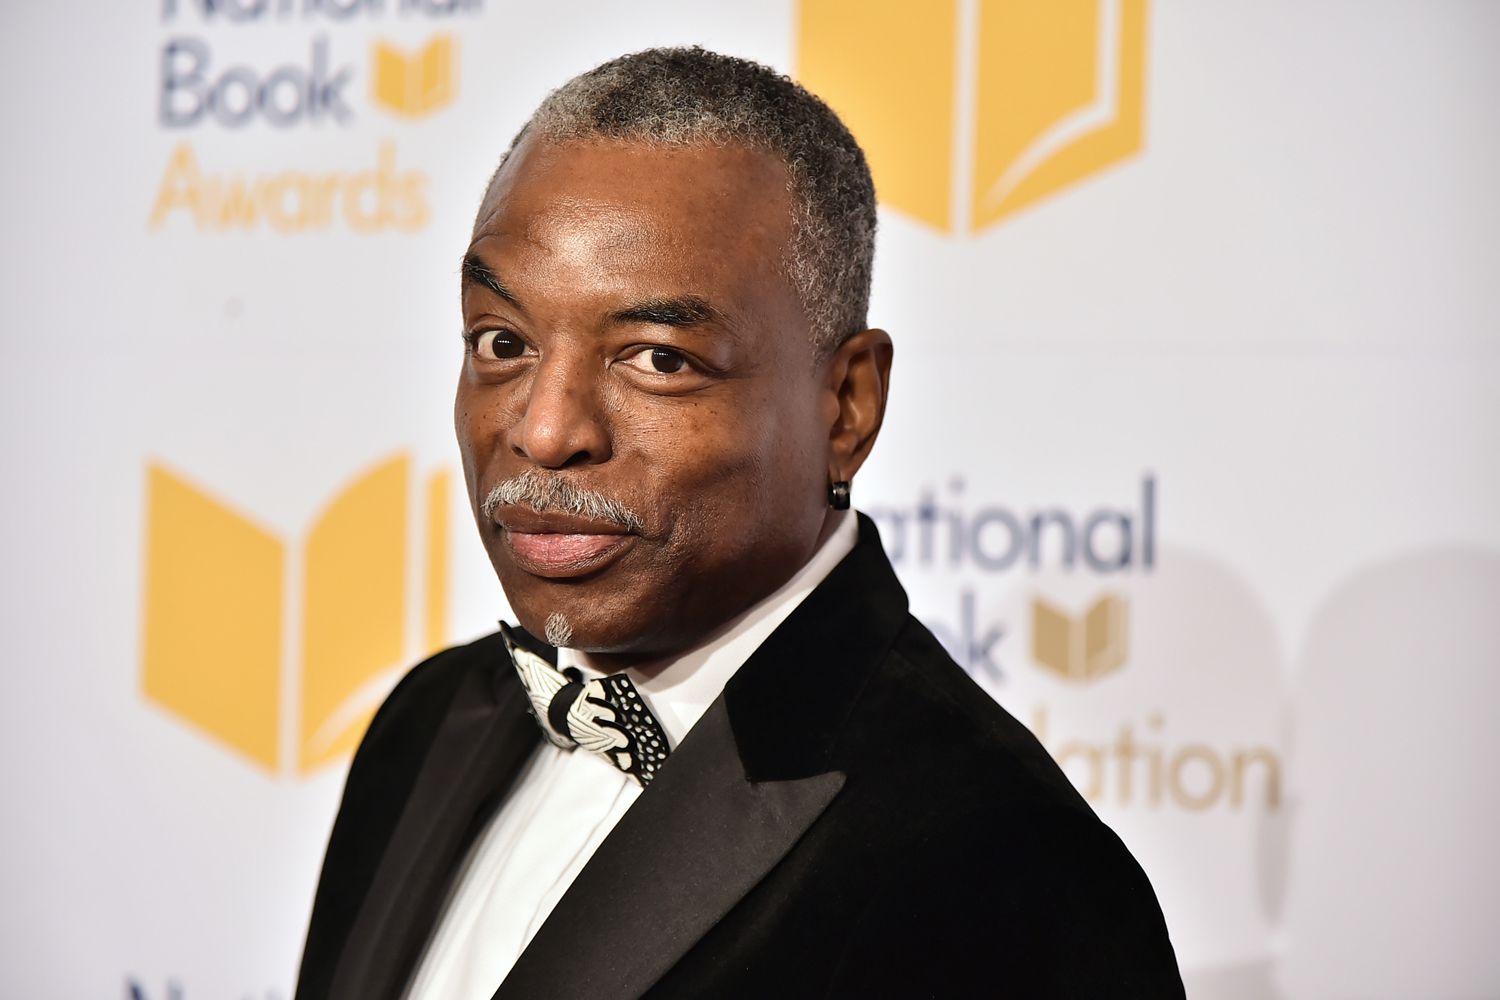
(731, 483)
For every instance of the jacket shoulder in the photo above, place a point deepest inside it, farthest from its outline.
(987, 774)
(991, 843)
(921, 697)
(380, 779)
(394, 745)
(416, 704)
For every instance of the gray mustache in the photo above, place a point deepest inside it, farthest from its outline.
(542, 492)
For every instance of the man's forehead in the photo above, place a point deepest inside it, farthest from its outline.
(607, 222)
(629, 184)
(569, 234)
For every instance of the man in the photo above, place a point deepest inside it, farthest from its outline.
(736, 767)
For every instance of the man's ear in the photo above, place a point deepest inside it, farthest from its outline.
(857, 380)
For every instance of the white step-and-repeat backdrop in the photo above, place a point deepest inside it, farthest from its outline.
(1193, 457)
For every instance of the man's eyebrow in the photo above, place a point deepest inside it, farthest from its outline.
(682, 310)
(478, 272)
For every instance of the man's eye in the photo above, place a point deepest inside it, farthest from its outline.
(499, 345)
(666, 360)
(658, 360)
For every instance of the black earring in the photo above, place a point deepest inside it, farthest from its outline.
(838, 495)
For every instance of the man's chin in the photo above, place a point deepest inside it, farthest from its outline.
(584, 612)
(588, 627)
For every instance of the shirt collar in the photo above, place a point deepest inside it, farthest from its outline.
(681, 691)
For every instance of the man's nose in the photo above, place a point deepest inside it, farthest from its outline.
(562, 424)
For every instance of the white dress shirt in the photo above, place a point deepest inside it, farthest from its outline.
(565, 802)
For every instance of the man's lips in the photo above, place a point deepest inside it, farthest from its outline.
(561, 556)
(560, 545)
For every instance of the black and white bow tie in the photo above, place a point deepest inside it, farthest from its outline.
(606, 715)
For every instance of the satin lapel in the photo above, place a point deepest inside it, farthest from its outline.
(663, 877)
(482, 744)
(789, 702)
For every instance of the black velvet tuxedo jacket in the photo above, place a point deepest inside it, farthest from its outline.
(852, 818)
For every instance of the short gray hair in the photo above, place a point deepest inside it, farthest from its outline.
(690, 96)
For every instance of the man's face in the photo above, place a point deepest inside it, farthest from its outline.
(630, 334)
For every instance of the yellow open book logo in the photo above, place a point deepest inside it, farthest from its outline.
(1079, 649)
(971, 110)
(220, 589)
(417, 84)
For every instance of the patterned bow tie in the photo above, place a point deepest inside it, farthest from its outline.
(606, 715)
